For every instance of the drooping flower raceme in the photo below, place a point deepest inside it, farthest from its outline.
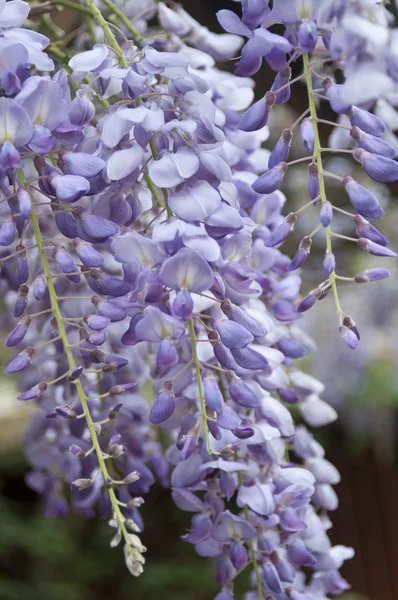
(140, 250)
(326, 36)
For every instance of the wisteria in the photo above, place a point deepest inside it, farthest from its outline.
(152, 312)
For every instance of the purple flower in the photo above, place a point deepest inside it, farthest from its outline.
(367, 121)
(326, 213)
(329, 263)
(20, 362)
(228, 527)
(364, 202)
(242, 394)
(301, 254)
(271, 180)
(186, 270)
(307, 36)
(378, 167)
(195, 203)
(256, 117)
(156, 326)
(280, 152)
(313, 181)
(7, 231)
(162, 408)
(232, 334)
(282, 231)
(373, 144)
(18, 333)
(372, 275)
(69, 188)
(375, 249)
(307, 134)
(366, 230)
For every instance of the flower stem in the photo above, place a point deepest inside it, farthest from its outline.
(252, 550)
(112, 41)
(318, 158)
(200, 387)
(165, 193)
(118, 13)
(72, 365)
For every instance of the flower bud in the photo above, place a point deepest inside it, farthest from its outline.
(307, 134)
(281, 80)
(77, 451)
(162, 408)
(114, 411)
(81, 484)
(7, 231)
(377, 167)
(34, 393)
(375, 249)
(18, 333)
(329, 264)
(213, 396)
(301, 254)
(364, 202)
(367, 121)
(25, 205)
(20, 362)
(281, 232)
(271, 180)
(326, 213)
(39, 288)
(66, 412)
(135, 503)
(280, 152)
(131, 477)
(313, 181)
(242, 394)
(75, 374)
(372, 275)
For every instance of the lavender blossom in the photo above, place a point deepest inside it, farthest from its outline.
(149, 234)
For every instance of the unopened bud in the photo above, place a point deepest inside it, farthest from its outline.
(77, 451)
(115, 541)
(116, 450)
(122, 388)
(110, 367)
(66, 412)
(81, 484)
(75, 373)
(114, 411)
(132, 526)
(132, 477)
(135, 502)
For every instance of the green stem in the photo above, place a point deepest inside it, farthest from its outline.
(165, 193)
(252, 550)
(153, 190)
(118, 13)
(72, 365)
(318, 158)
(112, 41)
(200, 387)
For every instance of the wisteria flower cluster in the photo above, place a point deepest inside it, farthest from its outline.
(155, 317)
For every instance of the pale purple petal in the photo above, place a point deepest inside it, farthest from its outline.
(187, 270)
(195, 203)
(123, 162)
